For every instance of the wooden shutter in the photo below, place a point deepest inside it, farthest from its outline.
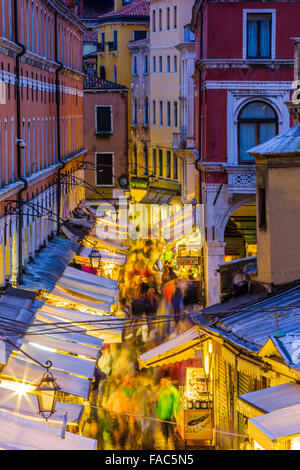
(104, 120)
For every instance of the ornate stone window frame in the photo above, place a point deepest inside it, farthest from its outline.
(273, 31)
(273, 93)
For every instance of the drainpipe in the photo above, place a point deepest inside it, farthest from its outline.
(200, 141)
(58, 199)
(20, 144)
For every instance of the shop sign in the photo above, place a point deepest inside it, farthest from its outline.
(198, 424)
(191, 260)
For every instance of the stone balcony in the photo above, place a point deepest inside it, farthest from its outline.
(241, 179)
(181, 140)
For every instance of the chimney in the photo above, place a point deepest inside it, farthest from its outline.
(118, 5)
(277, 208)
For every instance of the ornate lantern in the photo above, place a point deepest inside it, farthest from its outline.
(46, 394)
(95, 258)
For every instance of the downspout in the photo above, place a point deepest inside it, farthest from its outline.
(19, 141)
(200, 143)
(57, 92)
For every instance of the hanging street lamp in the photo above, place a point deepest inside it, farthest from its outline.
(47, 394)
(47, 388)
(95, 257)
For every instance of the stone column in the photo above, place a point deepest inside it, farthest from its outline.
(214, 252)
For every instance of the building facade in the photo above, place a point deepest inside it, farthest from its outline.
(243, 78)
(41, 127)
(140, 112)
(106, 138)
(167, 21)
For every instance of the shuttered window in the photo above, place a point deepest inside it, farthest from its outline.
(103, 120)
(104, 169)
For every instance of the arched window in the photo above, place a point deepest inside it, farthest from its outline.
(134, 160)
(146, 63)
(146, 111)
(257, 123)
(102, 72)
(134, 110)
(146, 160)
(134, 65)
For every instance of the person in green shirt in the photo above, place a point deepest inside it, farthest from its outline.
(167, 406)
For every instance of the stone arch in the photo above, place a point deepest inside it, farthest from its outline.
(233, 206)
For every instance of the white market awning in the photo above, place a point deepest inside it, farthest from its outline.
(89, 291)
(52, 341)
(113, 244)
(106, 256)
(73, 333)
(28, 405)
(83, 302)
(30, 372)
(175, 350)
(83, 367)
(22, 433)
(88, 278)
(108, 328)
(278, 425)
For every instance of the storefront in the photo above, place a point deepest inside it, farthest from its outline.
(183, 248)
(195, 418)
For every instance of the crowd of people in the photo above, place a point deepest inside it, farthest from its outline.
(134, 407)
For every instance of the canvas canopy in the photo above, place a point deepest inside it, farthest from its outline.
(108, 328)
(175, 350)
(23, 433)
(27, 405)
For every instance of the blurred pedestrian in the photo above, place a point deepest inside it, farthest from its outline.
(167, 407)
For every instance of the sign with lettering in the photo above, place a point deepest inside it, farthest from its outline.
(191, 260)
(198, 424)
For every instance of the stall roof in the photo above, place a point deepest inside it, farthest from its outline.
(74, 333)
(273, 398)
(27, 405)
(17, 311)
(175, 350)
(108, 328)
(106, 255)
(83, 367)
(30, 372)
(22, 433)
(99, 281)
(51, 341)
(84, 302)
(89, 291)
(48, 266)
(249, 320)
(115, 244)
(283, 423)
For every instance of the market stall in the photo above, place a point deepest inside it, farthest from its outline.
(272, 416)
(195, 416)
(183, 247)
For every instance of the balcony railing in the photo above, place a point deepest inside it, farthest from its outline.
(101, 47)
(112, 46)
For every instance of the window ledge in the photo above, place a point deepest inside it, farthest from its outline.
(103, 133)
